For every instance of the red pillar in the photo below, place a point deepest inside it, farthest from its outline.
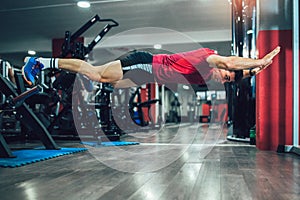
(274, 90)
(146, 96)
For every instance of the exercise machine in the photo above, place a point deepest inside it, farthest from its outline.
(62, 121)
(139, 109)
(241, 95)
(15, 103)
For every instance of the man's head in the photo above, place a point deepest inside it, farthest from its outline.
(222, 75)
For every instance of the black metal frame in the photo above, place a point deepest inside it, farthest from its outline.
(77, 49)
(28, 119)
(241, 107)
(139, 105)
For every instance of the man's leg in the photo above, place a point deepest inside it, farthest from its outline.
(109, 72)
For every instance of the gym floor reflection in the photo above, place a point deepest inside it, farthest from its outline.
(193, 161)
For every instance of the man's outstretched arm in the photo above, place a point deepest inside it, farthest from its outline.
(240, 63)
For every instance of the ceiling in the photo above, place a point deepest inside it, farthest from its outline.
(176, 24)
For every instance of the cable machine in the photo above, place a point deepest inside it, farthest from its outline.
(241, 96)
(74, 48)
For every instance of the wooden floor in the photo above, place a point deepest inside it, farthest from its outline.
(187, 162)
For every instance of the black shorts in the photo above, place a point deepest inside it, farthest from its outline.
(137, 66)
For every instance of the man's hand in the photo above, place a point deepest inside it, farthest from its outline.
(268, 59)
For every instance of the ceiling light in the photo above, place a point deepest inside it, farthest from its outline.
(83, 4)
(31, 52)
(250, 32)
(186, 87)
(157, 46)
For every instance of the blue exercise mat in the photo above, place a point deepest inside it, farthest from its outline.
(111, 143)
(28, 156)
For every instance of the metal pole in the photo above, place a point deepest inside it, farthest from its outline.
(157, 104)
(163, 103)
(296, 72)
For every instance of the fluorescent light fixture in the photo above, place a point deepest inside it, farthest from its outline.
(157, 46)
(250, 32)
(31, 52)
(83, 4)
(186, 87)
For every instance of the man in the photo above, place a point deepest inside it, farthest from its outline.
(194, 67)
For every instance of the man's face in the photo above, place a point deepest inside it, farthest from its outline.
(222, 75)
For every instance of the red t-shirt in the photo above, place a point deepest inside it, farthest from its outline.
(185, 68)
